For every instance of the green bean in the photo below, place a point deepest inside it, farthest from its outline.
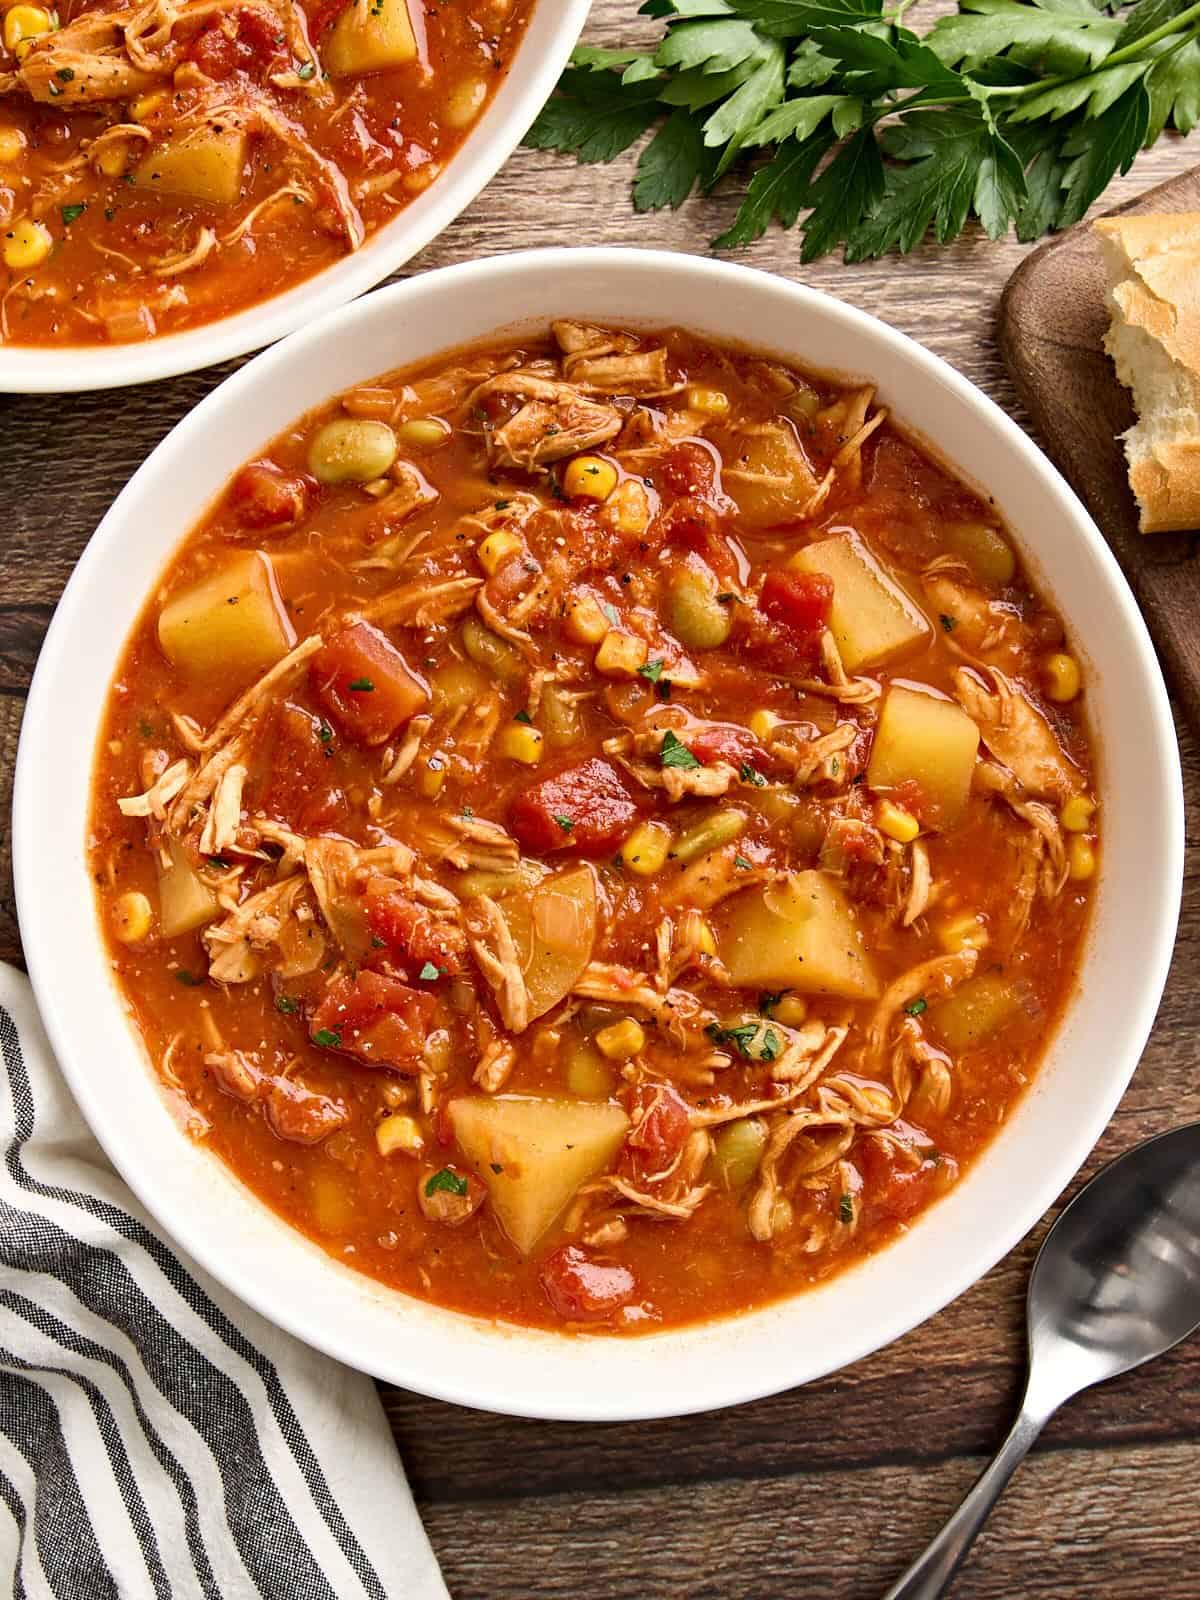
(986, 551)
(477, 880)
(588, 1074)
(351, 450)
(718, 828)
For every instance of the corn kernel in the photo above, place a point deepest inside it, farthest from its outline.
(628, 508)
(713, 402)
(791, 1011)
(431, 775)
(497, 548)
(26, 244)
(897, 823)
(621, 1040)
(132, 917)
(695, 931)
(589, 478)
(1081, 857)
(762, 724)
(12, 142)
(1076, 815)
(585, 621)
(646, 849)
(621, 654)
(398, 1132)
(113, 160)
(1062, 677)
(520, 742)
(24, 24)
(423, 434)
(147, 105)
(962, 933)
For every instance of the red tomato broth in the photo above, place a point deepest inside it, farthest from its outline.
(330, 157)
(346, 547)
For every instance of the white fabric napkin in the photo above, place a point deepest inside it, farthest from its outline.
(157, 1438)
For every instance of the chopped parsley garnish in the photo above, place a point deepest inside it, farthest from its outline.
(307, 71)
(674, 753)
(914, 1008)
(522, 716)
(652, 671)
(502, 505)
(726, 597)
(948, 623)
(428, 973)
(611, 612)
(188, 979)
(73, 213)
(741, 863)
(285, 1003)
(468, 812)
(446, 1182)
(564, 823)
(218, 862)
(361, 686)
(376, 942)
(327, 1038)
(846, 1209)
(751, 1041)
(65, 74)
(752, 775)
(495, 1166)
(325, 732)
(769, 999)
(146, 729)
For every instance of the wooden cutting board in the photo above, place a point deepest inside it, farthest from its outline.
(1052, 324)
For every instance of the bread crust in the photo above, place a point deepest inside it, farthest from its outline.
(1154, 299)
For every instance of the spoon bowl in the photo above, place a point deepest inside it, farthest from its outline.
(1116, 1283)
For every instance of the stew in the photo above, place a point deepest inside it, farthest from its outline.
(167, 162)
(597, 831)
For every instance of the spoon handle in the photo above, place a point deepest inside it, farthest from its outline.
(930, 1574)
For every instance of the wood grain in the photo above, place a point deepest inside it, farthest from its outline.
(831, 1489)
(1051, 331)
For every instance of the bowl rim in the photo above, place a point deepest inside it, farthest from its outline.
(1164, 805)
(551, 33)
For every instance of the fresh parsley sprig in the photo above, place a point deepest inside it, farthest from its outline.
(1014, 112)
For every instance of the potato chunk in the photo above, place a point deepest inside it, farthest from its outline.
(231, 623)
(931, 742)
(769, 477)
(370, 36)
(977, 1009)
(798, 934)
(184, 900)
(872, 617)
(533, 1154)
(554, 928)
(205, 164)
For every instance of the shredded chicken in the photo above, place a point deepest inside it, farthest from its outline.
(494, 1065)
(224, 813)
(1017, 734)
(280, 676)
(676, 1012)
(554, 421)
(156, 799)
(494, 950)
(930, 978)
(420, 605)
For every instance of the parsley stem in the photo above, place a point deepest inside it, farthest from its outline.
(1135, 47)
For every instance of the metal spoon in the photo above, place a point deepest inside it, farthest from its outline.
(1116, 1283)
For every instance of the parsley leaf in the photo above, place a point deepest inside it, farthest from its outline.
(1006, 111)
(753, 1041)
(652, 671)
(446, 1181)
(673, 753)
(327, 1038)
(361, 686)
(914, 1008)
(429, 973)
(522, 716)
(846, 1209)
(752, 775)
(285, 1003)
(565, 823)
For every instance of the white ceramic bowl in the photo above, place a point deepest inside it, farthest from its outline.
(549, 38)
(543, 1374)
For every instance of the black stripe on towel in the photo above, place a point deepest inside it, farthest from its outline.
(16, 1507)
(269, 1542)
(67, 1545)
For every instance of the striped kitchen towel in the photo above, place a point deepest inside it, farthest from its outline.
(157, 1438)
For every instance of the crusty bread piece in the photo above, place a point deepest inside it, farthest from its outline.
(1153, 267)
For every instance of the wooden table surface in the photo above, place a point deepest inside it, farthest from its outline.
(830, 1489)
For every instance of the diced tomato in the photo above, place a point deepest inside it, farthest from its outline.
(899, 1185)
(689, 468)
(725, 741)
(582, 1289)
(299, 788)
(366, 684)
(662, 1122)
(264, 496)
(798, 601)
(584, 808)
(255, 45)
(376, 1018)
(407, 928)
